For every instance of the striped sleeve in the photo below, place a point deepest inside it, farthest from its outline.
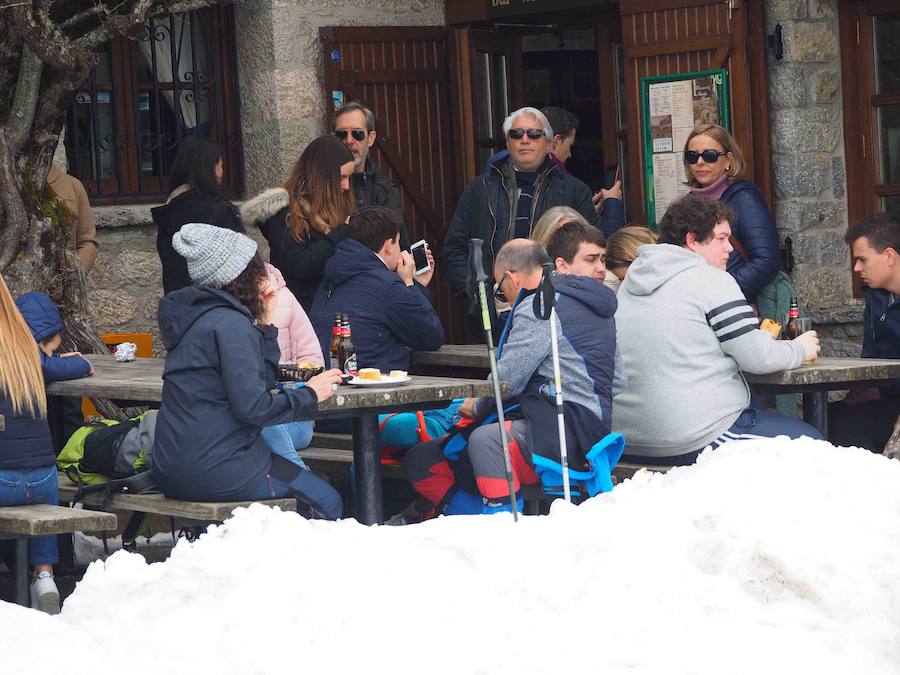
(732, 320)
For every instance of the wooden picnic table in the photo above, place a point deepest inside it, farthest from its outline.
(141, 380)
(813, 380)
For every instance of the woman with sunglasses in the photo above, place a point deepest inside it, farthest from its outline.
(713, 165)
(305, 219)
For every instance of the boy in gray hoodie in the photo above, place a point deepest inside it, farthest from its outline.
(686, 332)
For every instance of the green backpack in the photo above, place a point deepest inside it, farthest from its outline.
(107, 450)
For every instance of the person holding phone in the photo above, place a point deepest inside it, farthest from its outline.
(373, 281)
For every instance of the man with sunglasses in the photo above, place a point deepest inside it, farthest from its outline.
(354, 126)
(506, 201)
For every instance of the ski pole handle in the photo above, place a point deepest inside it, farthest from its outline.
(477, 260)
(543, 300)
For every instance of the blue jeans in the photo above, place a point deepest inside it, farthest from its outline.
(751, 422)
(286, 439)
(305, 486)
(33, 486)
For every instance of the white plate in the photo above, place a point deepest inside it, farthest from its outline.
(385, 381)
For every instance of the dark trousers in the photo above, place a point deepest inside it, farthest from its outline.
(867, 425)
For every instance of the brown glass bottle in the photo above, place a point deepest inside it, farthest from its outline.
(792, 329)
(334, 360)
(347, 350)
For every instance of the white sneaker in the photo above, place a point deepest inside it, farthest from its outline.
(45, 594)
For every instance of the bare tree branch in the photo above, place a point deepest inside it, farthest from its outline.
(72, 21)
(16, 217)
(25, 99)
(45, 39)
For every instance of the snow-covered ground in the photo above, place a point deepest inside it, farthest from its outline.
(765, 557)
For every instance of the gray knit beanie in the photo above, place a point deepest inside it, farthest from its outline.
(215, 256)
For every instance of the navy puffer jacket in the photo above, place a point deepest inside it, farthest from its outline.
(25, 441)
(43, 320)
(754, 227)
(387, 318)
(218, 383)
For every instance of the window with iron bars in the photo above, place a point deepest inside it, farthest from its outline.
(175, 77)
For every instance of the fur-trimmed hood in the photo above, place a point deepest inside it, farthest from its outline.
(263, 206)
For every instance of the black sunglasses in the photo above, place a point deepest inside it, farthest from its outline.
(533, 134)
(358, 134)
(709, 156)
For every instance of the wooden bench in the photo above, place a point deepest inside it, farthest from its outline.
(35, 520)
(200, 512)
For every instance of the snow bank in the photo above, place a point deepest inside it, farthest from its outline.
(770, 556)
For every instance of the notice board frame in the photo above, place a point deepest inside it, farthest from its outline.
(719, 79)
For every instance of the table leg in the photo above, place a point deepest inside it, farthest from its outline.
(367, 469)
(22, 571)
(815, 410)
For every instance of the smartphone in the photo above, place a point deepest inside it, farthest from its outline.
(419, 252)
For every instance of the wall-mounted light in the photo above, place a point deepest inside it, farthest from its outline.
(775, 43)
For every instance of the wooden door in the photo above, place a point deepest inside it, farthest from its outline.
(402, 75)
(664, 37)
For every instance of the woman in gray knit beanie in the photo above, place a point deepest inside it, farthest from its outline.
(219, 383)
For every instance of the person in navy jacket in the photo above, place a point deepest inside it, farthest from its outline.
(713, 164)
(219, 382)
(373, 281)
(866, 417)
(45, 324)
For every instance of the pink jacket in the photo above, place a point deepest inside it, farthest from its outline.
(296, 336)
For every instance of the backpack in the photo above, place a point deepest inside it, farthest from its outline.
(108, 450)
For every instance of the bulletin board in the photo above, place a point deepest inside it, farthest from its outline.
(671, 106)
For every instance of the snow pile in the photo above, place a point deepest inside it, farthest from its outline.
(770, 556)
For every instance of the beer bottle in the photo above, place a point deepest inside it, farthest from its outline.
(792, 329)
(334, 361)
(347, 350)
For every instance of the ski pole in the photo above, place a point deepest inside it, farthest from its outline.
(476, 263)
(545, 308)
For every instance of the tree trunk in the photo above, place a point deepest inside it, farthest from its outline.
(892, 447)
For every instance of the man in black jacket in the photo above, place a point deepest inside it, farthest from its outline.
(506, 202)
(354, 126)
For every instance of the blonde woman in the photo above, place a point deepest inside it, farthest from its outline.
(713, 165)
(552, 219)
(27, 460)
(622, 250)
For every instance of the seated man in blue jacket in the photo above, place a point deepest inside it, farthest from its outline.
(866, 418)
(373, 281)
(45, 324)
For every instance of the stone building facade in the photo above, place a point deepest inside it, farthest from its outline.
(282, 109)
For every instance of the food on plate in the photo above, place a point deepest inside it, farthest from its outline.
(369, 374)
(399, 374)
(770, 326)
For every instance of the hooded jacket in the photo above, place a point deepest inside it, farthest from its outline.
(487, 211)
(686, 332)
(296, 337)
(387, 318)
(586, 327)
(188, 207)
(754, 227)
(218, 393)
(373, 188)
(881, 330)
(301, 262)
(43, 320)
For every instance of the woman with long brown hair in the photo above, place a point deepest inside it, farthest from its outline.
(27, 460)
(305, 219)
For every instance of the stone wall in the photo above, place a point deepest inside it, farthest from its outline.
(282, 74)
(809, 170)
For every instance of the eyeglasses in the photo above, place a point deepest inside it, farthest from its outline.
(358, 134)
(709, 156)
(499, 295)
(533, 134)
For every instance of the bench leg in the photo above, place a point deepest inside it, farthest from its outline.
(815, 410)
(367, 469)
(22, 572)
